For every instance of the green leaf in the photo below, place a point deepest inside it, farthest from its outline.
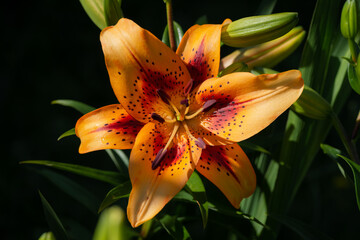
(47, 236)
(73, 189)
(118, 192)
(356, 172)
(303, 230)
(196, 188)
(113, 178)
(95, 11)
(79, 106)
(113, 11)
(178, 32)
(68, 133)
(353, 79)
(332, 152)
(174, 228)
(120, 160)
(52, 219)
(254, 147)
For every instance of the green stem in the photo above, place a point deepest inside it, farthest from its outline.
(348, 144)
(352, 46)
(170, 23)
(145, 229)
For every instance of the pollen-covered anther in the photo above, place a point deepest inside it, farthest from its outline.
(157, 117)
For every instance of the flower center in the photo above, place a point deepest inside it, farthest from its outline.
(180, 119)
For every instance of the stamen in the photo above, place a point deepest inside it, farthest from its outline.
(188, 87)
(163, 95)
(206, 107)
(185, 102)
(162, 152)
(200, 143)
(157, 117)
(159, 156)
(166, 99)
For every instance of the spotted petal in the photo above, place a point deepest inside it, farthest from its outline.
(200, 50)
(230, 170)
(246, 103)
(139, 64)
(107, 127)
(152, 189)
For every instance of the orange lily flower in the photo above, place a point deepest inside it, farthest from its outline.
(177, 116)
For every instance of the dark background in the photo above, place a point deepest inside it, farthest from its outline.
(51, 50)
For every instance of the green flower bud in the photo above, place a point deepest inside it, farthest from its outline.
(311, 104)
(235, 67)
(349, 19)
(267, 54)
(250, 31)
(47, 236)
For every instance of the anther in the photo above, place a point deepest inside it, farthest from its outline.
(208, 105)
(200, 143)
(189, 87)
(163, 95)
(159, 156)
(185, 102)
(157, 117)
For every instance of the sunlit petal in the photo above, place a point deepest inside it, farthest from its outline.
(152, 189)
(109, 127)
(139, 64)
(247, 103)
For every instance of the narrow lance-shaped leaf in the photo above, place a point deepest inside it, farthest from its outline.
(73, 189)
(113, 178)
(52, 219)
(116, 193)
(178, 32)
(356, 172)
(79, 106)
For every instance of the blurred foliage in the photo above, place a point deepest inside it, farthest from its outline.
(53, 51)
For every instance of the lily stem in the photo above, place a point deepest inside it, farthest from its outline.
(169, 15)
(348, 144)
(352, 46)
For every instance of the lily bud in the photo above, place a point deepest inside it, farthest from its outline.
(349, 19)
(311, 104)
(235, 67)
(250, 31)
(267, 54)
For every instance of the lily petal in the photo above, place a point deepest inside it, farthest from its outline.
(152, 189)
(200, 50)
(139, 64)
(109, 127)
(246, 103)
(230, 170)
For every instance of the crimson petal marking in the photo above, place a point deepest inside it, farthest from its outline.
(230, 170)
